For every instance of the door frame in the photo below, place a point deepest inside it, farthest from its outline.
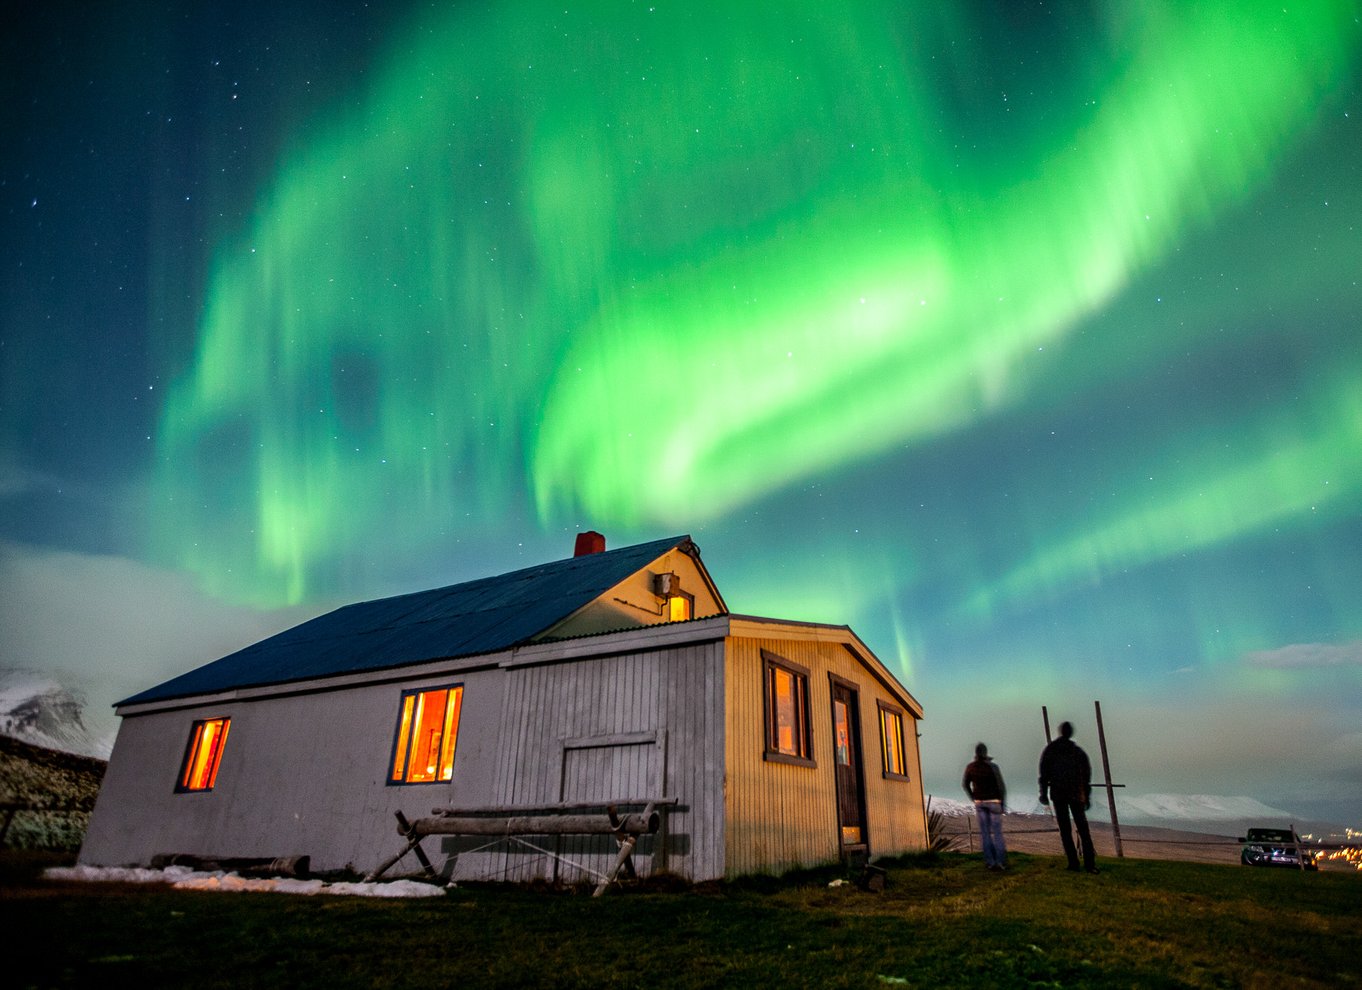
(857, 752)
(657, 740)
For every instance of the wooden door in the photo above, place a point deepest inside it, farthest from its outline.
(846, 739)
(608, 768)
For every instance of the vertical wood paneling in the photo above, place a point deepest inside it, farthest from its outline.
(675, 694)
(600, 773)
(781, 816)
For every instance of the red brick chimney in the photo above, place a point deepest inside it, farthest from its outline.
(588, 543)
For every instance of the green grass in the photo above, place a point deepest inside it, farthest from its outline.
(942, 921)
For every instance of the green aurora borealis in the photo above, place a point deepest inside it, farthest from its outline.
(1025, 341)
(654, 267)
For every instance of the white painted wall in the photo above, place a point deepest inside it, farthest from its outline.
(306, 774)
(300, 775)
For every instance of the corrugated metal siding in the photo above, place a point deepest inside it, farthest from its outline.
(634, 725)
(300, 775)
(779, 816)
(306, 774)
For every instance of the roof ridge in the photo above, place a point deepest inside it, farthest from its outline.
(530, 570)
(480, 615)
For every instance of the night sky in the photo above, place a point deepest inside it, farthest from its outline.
(1025, 340)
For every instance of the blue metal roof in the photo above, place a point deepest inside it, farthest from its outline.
(468, 619)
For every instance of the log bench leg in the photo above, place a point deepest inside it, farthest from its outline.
(404, 827)
(625, 859)
(625, 856)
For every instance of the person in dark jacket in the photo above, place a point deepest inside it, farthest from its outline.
(1066, 778)
(984, 783)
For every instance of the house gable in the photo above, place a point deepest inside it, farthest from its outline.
(641, 599)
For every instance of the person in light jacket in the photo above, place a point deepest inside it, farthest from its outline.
(983, 782)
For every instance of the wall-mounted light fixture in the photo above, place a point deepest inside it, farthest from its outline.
(666, 585)
(677, 605)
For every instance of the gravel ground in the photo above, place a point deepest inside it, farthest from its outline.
(1038, 834)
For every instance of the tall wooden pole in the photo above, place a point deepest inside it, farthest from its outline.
(1106, 775)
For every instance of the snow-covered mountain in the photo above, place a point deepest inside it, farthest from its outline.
(38, 710)
(949, 807)
(1196, 807)
(1154, 809)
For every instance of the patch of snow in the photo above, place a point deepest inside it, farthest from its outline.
(183, 878)
(232, 883)
(393, 888)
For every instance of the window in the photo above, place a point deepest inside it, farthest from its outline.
(680, 607)
(787, 711)
(841, 733)
(891, 742)
(203, 754)
(427, 728)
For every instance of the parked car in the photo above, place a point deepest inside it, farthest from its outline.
(1276, 847)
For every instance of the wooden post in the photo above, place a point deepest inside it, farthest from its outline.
(1045, 717)
(406, 829)
(390, 862)
(625, 857)
(416, 848)
(631, 824)
(1106, 776)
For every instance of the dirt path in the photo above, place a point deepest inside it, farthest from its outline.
(1038, 834)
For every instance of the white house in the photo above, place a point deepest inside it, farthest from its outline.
(611, 676)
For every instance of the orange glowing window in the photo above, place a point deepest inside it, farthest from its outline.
(787, 711)
(891, 743)
(680, 607)
(204, 754)
(427, 729)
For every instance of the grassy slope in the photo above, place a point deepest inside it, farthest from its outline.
(942, 921)
(56, 790)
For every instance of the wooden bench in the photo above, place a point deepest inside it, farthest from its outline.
(582, 818)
